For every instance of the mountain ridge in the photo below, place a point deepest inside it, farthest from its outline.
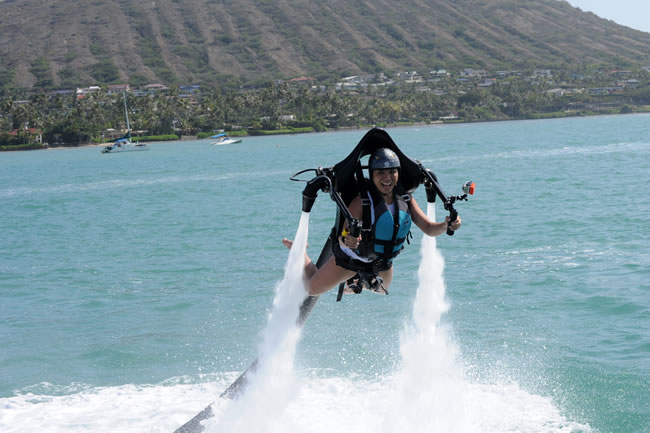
(45, 43)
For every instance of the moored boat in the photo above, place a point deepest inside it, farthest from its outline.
(124, 143)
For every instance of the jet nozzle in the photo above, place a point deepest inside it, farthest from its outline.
(310, 192)
(307, 202)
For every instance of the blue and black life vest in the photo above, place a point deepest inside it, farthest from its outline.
(382, 232)
(390, 230)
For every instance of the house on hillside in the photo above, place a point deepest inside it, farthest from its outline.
(149, 89)
(301, 81)
(190, 89)
(440, 73)
(543, 73)
(360, 79)
(632, 83)
(470, 73)
(83, 91)
(505, 74)
(117, 88)
(352, 79)
(34, 133)
(155, 87)
(347, 86)
(599, 91)
(409, 76)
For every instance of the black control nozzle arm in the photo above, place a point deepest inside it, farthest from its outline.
(320, 182)
(434, 190)
(324, 182)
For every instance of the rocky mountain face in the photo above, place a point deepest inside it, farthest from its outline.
(50, 43)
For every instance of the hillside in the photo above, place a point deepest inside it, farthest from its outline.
(48, 43)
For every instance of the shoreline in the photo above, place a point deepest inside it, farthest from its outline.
(351, 128)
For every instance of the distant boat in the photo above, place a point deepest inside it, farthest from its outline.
(124, 143)
(223, 138)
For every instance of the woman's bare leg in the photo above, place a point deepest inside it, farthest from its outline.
(327, 277)
(320, 280)
(387, 277)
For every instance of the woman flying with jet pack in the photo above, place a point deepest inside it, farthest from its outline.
(373, 220)
(372, 228)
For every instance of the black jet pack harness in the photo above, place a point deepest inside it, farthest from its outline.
(345, 180)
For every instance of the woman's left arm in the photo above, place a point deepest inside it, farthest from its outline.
(431, 228)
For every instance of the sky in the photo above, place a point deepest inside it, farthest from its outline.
(630, 13)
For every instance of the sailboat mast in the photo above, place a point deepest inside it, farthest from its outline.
(126, 112)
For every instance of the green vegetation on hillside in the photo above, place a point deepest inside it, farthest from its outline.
(281, 108)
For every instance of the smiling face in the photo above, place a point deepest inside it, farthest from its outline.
(385, 180)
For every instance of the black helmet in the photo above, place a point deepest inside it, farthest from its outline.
(383, 158)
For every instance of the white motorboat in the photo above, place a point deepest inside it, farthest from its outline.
(223, 138)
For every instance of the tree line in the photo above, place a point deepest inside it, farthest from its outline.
(67, 119)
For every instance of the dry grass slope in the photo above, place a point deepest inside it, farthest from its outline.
(55, 43)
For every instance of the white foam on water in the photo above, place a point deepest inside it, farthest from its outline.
(127, 408)
(428, 392)
(321, 405)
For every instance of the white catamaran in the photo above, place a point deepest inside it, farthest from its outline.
(124, 143)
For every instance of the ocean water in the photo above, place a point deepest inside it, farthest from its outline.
(134, 288)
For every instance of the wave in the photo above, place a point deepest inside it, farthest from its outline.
(624, 147)
(322, 404)
(113, 185)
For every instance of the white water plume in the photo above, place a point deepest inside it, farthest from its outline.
(272, 386)
(430, 387)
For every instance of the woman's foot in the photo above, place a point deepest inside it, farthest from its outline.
(310, 268)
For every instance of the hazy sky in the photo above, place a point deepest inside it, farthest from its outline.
(630, 13)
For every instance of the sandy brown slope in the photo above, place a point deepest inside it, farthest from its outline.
(63, 42)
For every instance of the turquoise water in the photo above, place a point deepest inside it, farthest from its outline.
(134, 287)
